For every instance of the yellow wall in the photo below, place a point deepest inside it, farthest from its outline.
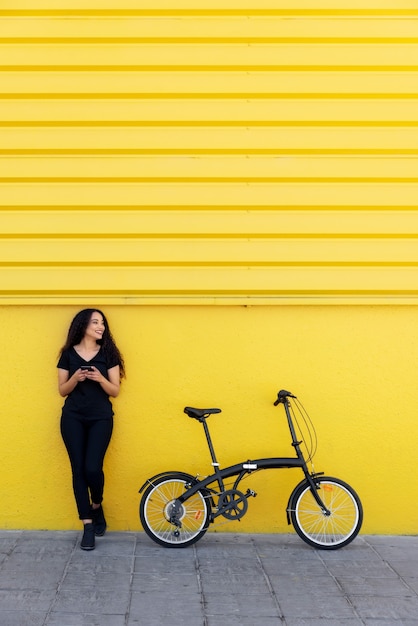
(354, 369)
(226, 178)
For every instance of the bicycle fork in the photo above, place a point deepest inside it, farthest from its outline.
(313, 488)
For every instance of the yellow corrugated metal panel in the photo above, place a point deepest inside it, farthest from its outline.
(234, 151)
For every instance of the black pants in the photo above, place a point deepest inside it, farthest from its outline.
(86, 441)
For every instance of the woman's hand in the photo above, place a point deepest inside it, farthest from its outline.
(79, 375)
(110, 385)
(93, 374)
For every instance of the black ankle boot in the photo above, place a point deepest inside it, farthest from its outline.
(88, 541)
(99, 521)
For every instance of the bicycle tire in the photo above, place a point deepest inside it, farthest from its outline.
(154, 512)
(326, 532)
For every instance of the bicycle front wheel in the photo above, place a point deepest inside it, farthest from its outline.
(326, 531)
(156, 507)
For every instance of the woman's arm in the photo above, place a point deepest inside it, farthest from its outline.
(67, 384)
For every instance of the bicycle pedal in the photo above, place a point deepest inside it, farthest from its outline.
(250, 493)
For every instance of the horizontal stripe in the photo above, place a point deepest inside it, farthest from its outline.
(210, 12)
(181, 223)
(207, 207)
(208, 96)
(208, 68)
(205, 40)
(198, 236)
(186, 194)
(232, 281)
(243, 54)
(218, 167)
(215, 110)
(166, 84)
(219, 28)
(234, 251)
(284, 298)
(207, 179)
(219, 140)
(208, 123)
(207, 264)
(209, 151)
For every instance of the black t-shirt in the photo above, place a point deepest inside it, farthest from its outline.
(88, 398)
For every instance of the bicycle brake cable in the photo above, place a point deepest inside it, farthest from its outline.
(309, 428)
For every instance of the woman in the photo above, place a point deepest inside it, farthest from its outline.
(90, 368)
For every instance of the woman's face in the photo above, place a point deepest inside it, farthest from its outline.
(95, 327)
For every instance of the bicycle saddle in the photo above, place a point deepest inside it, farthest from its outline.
(198, 414)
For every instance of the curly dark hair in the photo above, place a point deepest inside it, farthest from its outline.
(77, 331)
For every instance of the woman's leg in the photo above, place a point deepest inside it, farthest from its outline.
(75, 435)
(99, 435)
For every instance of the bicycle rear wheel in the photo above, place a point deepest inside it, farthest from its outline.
(156, 506)
(327, 532)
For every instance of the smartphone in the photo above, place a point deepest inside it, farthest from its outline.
(87, 368)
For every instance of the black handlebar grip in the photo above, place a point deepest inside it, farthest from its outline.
(283, 394)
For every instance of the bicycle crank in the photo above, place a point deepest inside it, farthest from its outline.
(233, 504)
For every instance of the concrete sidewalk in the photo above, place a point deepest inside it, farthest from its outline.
(223, 580)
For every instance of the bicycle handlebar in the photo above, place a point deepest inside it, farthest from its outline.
(282, 395)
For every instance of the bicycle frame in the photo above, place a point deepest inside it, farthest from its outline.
(247, 467)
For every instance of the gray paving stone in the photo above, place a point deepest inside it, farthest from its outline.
(116, 544)
(42, 545)
(412, 583)
(233, 620)
(390, 622)
(87, 619)
(26, 600)
(390, 608)
(92, 600)
(296, 584)
(286, 550)
(405, 568)
(34, 579)
(225, 567)
(22, 618)
(94, 563)
(7, 544)
(377, 587)
(408, 542)
(357, 551)
(155, 605)
(234, 584)
(101, 580)
(277, 567)
(172, 620)
(242, 605)
(165, 583)
(309, 605)
(376, 569)
(287, 554)
(321, 621)
(236, 551)
(163, 563)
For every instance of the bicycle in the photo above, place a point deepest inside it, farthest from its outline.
(176, 508)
